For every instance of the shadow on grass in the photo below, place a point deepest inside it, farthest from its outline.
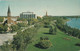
(38, 46)
(78, 44)
(47, 33)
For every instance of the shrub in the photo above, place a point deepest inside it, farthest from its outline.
(14, 28)
(1, 19)
(44, 38)
(45, 44)
(22, 24)
(3, 28)
(51, 31)
(47, 26)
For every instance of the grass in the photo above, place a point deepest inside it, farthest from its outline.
(60, 41)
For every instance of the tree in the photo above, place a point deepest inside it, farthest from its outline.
(14, 28)
(51, 30)
(22, 39)
(6, 46)
(39, 18)
(1, 19)
(32, 21)
(3, 28)
(22, 24)
(55, 30)
(44, 43)
(21, 19)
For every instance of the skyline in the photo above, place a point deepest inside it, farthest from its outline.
(39, 7)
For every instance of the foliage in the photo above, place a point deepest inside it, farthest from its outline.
(22, 39)
(21, 19)
(6, 46)
(44, 38)
(45, 43)
(67, 29)
(39, 18)
(1, 19)
(37, 25)
(32, 21)
(22, 24)
(55, 30)
(15, 28)
(59, 44)
(60, 23)
(3, 28)
(51, 30)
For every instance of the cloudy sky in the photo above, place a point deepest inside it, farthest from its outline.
(53, 7)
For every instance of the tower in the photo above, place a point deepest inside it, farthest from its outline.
(9, 16)
(8, 19)
(9, 12)
(46, 13)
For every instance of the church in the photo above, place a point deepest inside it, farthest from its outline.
(10, 20)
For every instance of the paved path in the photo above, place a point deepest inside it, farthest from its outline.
(27, 27)
(6, 37)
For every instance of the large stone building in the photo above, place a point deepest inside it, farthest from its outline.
(28, 15)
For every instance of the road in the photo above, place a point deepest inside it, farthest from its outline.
(6, 37)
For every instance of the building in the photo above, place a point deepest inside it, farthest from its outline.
(28, 15)
(46, 13)
(10, 19)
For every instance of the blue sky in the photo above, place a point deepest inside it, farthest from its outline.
(53, 7)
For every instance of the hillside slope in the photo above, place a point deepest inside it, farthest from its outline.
(60, 41)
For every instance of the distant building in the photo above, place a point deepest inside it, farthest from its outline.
(46, 13)
(28, 15)
(10, 19)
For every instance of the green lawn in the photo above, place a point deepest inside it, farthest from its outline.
(59, 42)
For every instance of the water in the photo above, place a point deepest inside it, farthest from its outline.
(74, 23)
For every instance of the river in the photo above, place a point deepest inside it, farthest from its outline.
(74, 23)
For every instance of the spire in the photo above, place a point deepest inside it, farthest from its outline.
(9, 12)
(8, 9)
(46, 13)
